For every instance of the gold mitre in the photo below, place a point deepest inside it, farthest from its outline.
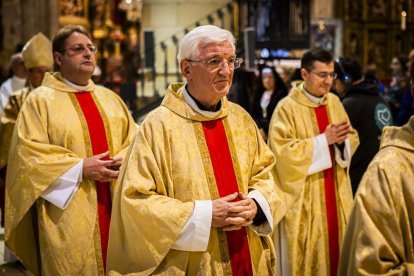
(38, 52)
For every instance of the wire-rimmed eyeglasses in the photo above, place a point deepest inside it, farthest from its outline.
(78, 49)
(216, 62)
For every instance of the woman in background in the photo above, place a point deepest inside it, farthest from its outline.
(270, 90)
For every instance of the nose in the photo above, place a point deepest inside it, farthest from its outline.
(225, 68)
(87, 52)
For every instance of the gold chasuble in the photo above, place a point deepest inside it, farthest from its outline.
(8, 120)
(180, 156)
(308, 238)
(57, 127)
(379, 239)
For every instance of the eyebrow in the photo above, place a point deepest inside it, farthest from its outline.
(218, 56)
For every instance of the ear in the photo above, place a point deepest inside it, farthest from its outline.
(186, 69)
(304, 73)
(57, 57)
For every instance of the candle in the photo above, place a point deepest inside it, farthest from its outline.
(403, 20)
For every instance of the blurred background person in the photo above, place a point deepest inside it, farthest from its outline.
(270, 90)
(15, 82)
(407, 101)
(367, 111)
(398, 83)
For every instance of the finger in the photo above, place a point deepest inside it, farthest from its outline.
(118, 159)
(107, 163)
(235, 220)
(342, 137)
(340, 124)
(231, 228)
(342, 134)
(244, 202)
(343, 128)
(110, 174)
(238, 209)
(118, 163)
(247, 214)
(247, 223)
(102, 155)
(230, 197)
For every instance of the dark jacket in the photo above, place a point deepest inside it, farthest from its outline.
(369, 114)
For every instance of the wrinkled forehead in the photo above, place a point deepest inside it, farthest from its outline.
(210, 48)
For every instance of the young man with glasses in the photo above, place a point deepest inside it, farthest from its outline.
(68, 144)
(313, 142)
(197, 195)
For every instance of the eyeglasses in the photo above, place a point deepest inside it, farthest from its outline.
(216, 62)
(79, 49)
(325, 75)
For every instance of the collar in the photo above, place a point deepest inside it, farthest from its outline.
(312, 98)
(192, 103)
(79, 87)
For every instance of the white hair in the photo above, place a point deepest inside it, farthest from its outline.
(202, 34)
(15, 58)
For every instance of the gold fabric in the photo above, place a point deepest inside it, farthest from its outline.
(50, 137)
(380, 234)
(8, 120)
(292, 129)
(38, 52)
(168, 168)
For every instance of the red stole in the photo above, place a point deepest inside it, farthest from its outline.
(220, 156)
(330, 197)
(99, 143)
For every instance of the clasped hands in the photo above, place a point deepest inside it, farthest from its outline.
(337, 133)
(98, 169)
(233, 216)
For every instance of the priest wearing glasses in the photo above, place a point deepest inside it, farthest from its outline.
(68, 144)
(196, 196)
(313, 142)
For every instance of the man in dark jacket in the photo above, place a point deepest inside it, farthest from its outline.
(367, 111)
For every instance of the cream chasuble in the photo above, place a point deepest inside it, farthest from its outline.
(303, 236)
(51, 136)
(169, 167)
(379, 239)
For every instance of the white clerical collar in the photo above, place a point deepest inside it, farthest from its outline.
(193, 105)
(79, 87)
(312, 98)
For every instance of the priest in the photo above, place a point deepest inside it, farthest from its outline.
(68, 144)
(196, 195)
(313, 142)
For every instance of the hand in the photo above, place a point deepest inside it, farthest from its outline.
(118, 162)
(95, 168)
(337, 133)
(221, 208)
(241, 213)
